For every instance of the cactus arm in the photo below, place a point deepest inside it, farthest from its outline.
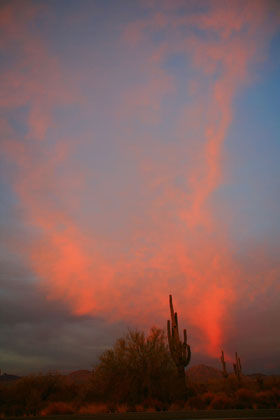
(188, 359)
(185, 345)
(225, 374)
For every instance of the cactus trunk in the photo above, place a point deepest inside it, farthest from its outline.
(225, 374)
(180, 351)
(237, 368)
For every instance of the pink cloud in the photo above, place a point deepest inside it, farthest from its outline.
(174, 242)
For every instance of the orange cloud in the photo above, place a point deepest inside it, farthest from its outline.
(173, 243)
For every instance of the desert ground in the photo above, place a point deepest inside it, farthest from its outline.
(188, 415)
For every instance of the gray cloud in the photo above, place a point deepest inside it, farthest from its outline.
(41, 335)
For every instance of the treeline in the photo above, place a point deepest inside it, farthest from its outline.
(137, 374)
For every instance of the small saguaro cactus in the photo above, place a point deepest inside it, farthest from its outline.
(224, 373)
(180, 351)
(237, 367)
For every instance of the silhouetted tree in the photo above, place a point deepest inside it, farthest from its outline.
(138, 368)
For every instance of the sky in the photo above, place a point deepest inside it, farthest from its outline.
(140, 146)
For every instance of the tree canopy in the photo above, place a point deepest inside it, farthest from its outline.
(138, 367)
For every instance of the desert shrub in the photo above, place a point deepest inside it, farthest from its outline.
(94, 408)
(176, 406)
(57, 407)
(266, 399)
(271, 383)
(232, 384)
(137, 368)
(23, 397)
(245, 398)
(222, 385)
(217, 385)
(152, 404)
(195, 403)
(31, 394)
(276, 393)
(207, 398)
(46, 386)
(196, 388)
(123, 408)
(221, 402)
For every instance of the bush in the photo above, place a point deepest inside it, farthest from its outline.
(28, 395)
(152, 405)
(31, 394)
(57, 408)
(245, 398)
(266, 399)
(94, 409)
(221, 402)
(208, 397)
(137, 368)
(196, 403)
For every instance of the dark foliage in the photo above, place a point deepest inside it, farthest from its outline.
(136, 369)
(29, 395)
(137, 374)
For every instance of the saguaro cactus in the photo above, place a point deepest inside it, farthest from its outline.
(225, 374)
(180, 351)
(237, 367)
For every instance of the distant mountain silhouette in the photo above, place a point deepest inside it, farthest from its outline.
(258, 375)
(78, 377)
(198, 373)
(203, 373)
(8, 378)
